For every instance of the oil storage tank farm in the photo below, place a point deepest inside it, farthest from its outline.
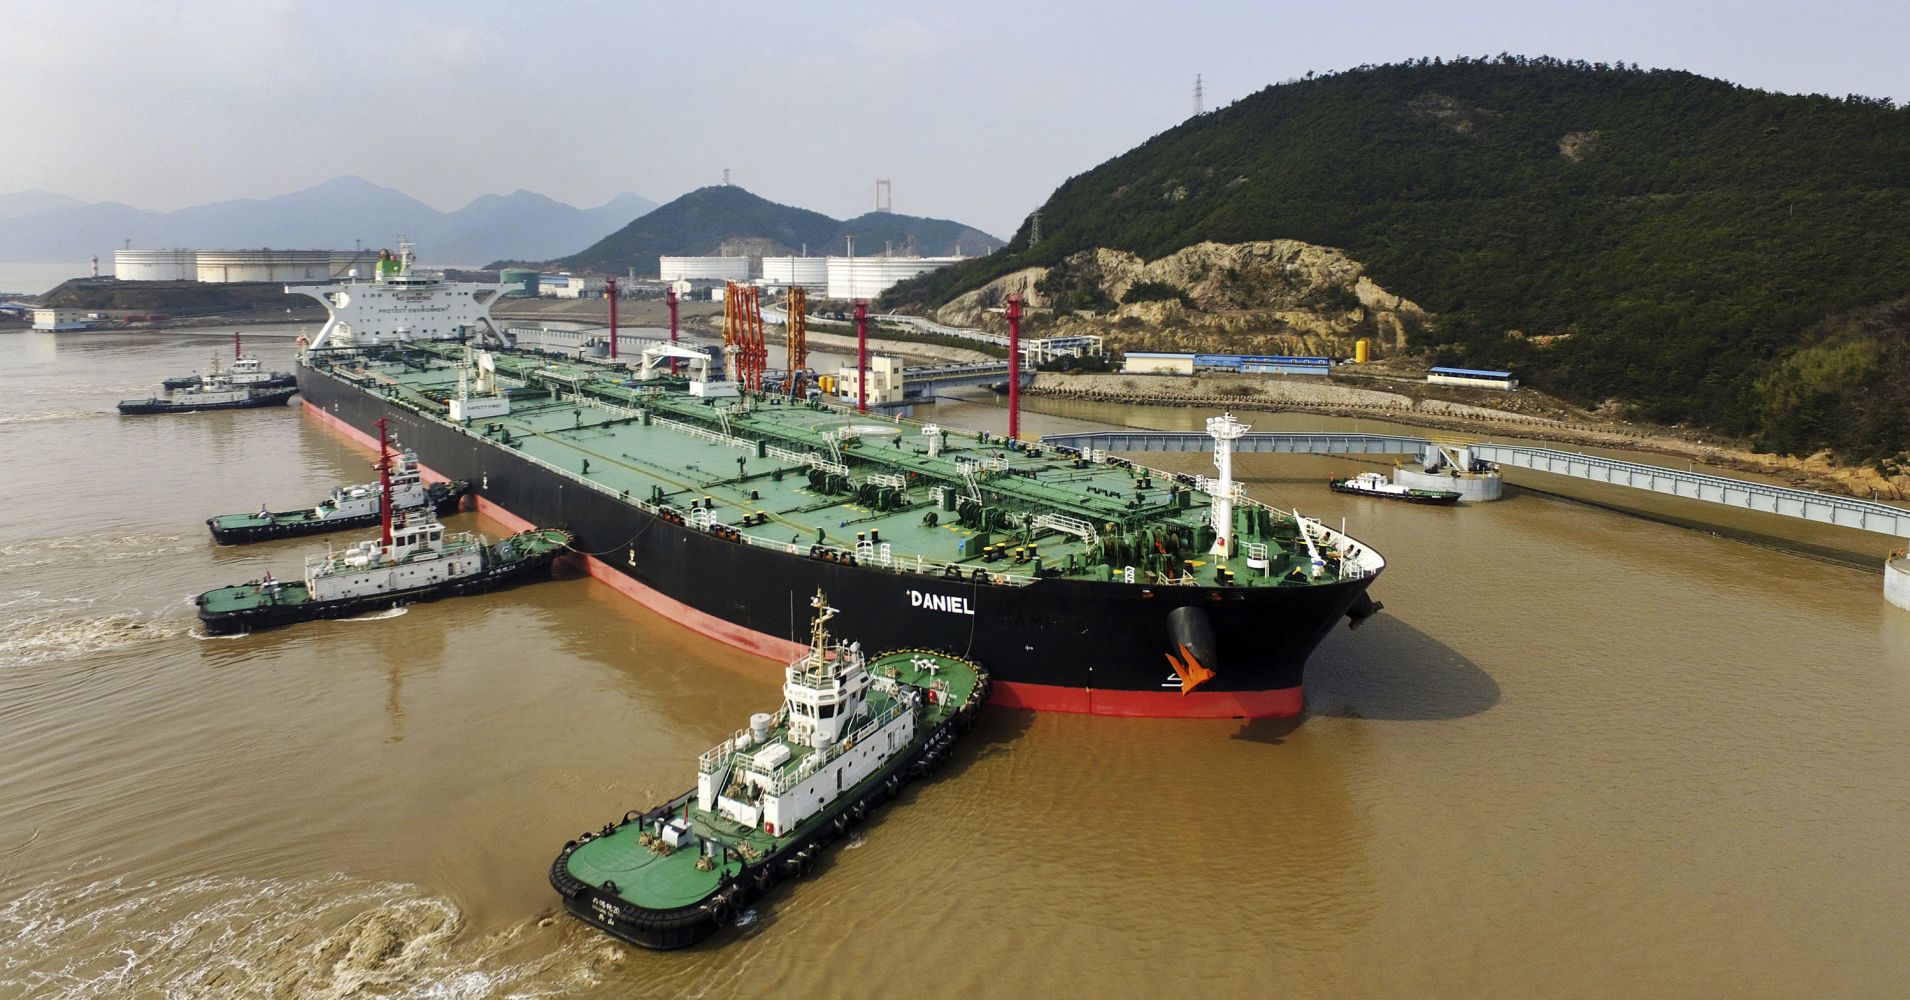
(220, 266)
(156, 265)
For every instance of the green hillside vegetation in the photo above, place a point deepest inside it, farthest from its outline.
(704, 221)
(1686, 237)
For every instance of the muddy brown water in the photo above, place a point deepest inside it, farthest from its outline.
(1581, 753)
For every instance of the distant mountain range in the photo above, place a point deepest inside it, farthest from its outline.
(44, 226)
(729, 220)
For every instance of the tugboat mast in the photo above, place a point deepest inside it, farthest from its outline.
(384, 483)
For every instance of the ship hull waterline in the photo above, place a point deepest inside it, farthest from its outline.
(1054, 645)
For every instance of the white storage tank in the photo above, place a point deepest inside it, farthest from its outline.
(703, 268)
(156, 265)
(809, 272)
(868, 277)
(223, 266)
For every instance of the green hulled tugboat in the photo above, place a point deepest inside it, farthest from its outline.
(414, 561)
(244, 371)
(348, 507)
(850, 733)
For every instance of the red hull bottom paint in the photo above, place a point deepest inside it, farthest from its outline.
(1274, 704)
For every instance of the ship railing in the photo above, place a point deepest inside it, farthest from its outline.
(1068, 526)
(786, 455)
(704, 433)
(814, 460)
(821, 758)
(608, 407)
(885, 558)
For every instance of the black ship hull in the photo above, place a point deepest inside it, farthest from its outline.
(276, 615)
(684, 926)
(1053, 645)
(266, 397)
(443, 498)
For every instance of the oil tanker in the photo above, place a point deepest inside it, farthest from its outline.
(1082, 582)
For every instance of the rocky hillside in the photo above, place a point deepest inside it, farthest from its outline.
(1652, 239)
(1265, 297)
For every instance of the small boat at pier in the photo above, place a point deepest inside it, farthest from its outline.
(1375, 484)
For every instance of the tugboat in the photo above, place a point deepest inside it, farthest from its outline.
(347, 507)
(215, 392)
(850, 733)
(244, 371)
(413, 561)
(1375, 484)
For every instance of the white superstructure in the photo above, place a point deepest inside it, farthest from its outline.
(828, 736)
(419, 555)
(398, 304)
(407, 490)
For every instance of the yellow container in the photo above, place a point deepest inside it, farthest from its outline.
(1359, 351)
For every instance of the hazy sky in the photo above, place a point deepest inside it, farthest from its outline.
(975, 110)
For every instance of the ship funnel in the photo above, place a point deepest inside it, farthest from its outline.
(759, 726)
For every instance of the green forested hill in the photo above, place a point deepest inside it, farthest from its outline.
(1690, 236)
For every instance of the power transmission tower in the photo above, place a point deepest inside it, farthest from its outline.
(1197, 102)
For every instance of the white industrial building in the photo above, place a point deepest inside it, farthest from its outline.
(703, 268)
(809, 272)
(572, 286)
(868, 277)
(1157, 363)
(885, 380)
(59, 319)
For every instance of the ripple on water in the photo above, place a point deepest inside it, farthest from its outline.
(324, 937)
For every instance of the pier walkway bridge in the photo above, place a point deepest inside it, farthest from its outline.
(1471, 459)
(1824, 508)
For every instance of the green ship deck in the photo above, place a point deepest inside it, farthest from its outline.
(793, 474)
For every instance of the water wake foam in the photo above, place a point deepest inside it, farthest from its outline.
(378, 616)
(40, 636)
(89, 550)
(328, 937)
(47, 417)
